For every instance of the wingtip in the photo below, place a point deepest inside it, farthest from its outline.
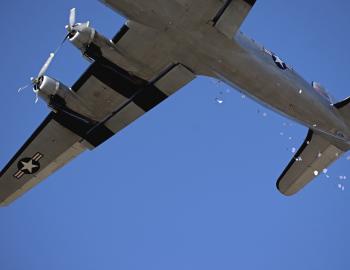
(3, 204)
(250, 2)
(285, 191)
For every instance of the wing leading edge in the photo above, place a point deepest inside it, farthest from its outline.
(49, 148)
(115, 98)
(61, 137)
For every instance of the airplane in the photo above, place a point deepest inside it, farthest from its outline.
(163, 46)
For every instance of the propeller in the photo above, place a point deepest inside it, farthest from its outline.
(45, 66)
(73, 27)
(35, 81)
(72, 16)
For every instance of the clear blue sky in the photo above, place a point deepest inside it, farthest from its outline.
(191, 185)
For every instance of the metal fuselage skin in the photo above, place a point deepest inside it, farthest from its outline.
(239, 61)
(250, 68)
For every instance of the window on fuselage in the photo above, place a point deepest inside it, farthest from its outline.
(321, 90)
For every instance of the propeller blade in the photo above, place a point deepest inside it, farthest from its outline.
(45, 66)
(23, 87)
(36, 95)
(71, 18)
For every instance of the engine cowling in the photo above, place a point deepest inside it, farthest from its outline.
(60, 97)
(92, 44)
(48, 87)
(82, 38)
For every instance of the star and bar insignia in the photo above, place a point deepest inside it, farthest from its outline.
(28, 165)
(279, 62)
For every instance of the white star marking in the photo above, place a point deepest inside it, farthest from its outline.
(29, 166)
(279, 61)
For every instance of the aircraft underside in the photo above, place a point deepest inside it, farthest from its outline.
(163, 46)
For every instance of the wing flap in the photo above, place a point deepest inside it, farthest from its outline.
(177, 77)
(315, 155)
(174, 78)
(231, 16)
(114, 96)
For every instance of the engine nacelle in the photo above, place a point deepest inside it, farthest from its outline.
(59, 97)
(48, 87)
(94, 45)
(82, 38)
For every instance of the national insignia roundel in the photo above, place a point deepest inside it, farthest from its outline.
(28, 165)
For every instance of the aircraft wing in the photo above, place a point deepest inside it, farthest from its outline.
(314, 155)
(226, 15)
(115, 98)
(231, 15)
(50, 147)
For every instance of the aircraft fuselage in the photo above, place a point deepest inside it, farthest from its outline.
(239, 61)
(252, 69)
